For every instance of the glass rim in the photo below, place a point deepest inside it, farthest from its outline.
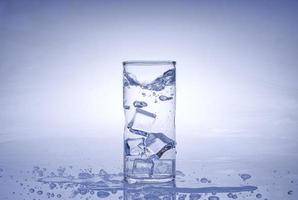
(149, 62)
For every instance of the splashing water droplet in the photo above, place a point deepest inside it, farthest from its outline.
(213, 198)
(194, 196)
(49, 195)
(114, 191)
(102, 194)
(245, 177)
(52, 185)
(82, 191)
(181, 196)
(203, 180)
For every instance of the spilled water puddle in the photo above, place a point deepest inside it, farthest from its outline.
(88, 185)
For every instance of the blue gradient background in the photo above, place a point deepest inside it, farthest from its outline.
(237, 69)
(61, 62)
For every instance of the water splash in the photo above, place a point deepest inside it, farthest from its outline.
(166, 79)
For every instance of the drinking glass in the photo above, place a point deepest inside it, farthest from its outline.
(149, 102)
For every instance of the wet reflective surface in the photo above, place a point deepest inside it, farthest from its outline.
(80, 168)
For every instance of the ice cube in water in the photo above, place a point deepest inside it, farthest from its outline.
(134, 147)
(142, 168)
(141, 122)
(163, 167)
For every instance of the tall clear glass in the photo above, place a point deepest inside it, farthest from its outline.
(149, 101)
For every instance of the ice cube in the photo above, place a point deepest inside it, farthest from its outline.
(158, 144)
(138, 132)
(164, 149)
(155, 146)
(163, 167)
(144, 112)
(164, 138)
(142, 168)
(134, 147)
(128, 165)
(153, 136)
(141, 122)
(150, 139)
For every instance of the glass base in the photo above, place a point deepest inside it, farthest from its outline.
(148, 180)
